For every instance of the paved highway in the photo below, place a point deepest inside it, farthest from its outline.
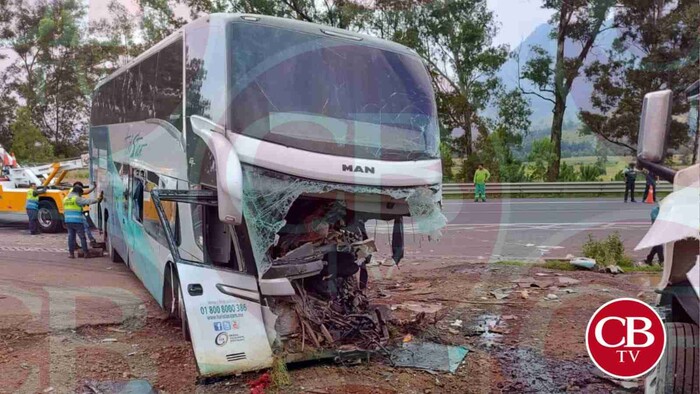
(512, 228)
(526, 229)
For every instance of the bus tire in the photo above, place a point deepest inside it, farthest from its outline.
(677, 372)
(48, 217)
(113, 254)
(181, 311)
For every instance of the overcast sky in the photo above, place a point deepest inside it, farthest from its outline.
(517, 19)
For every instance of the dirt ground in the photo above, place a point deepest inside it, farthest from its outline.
(523, 326)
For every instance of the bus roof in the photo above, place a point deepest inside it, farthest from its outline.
(284, 23)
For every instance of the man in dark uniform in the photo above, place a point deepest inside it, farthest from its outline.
(630, 174)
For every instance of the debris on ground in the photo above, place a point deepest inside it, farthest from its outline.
(419, 307)
(344, 319)
(625, 384)
(134, 386)
(500, 294)
(552, 297)
(583, 262)
(613, 269)
(429, 356)
(564, 281)
(259, 385)
(524, 295)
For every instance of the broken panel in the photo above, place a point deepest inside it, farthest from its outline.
(268, 197)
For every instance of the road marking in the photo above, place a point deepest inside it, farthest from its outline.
(31, 249)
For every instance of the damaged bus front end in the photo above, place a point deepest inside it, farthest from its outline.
(326, 138)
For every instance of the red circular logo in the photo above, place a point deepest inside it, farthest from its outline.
(625, 338)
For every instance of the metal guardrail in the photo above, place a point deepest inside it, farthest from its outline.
(613, 187)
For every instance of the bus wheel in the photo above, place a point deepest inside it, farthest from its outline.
(677, 371)
(181, 312)
(48, 217)
(113, 254)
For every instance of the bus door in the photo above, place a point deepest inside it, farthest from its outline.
(221, 298)
(134, 224)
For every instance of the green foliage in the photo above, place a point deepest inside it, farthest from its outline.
(541, 156)
(57, 65)
(447, 162)
(512, 263)
(657, 49)
(590, 172)
(561, 265)
(577, 22)
(610, 251)
(29, 145)
(279, 375)
(454, 37)
(567, 173)
(620, 176)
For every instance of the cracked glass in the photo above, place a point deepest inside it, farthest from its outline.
(268, 196)
(330, 95)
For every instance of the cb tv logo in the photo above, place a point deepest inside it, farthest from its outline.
(625, 338)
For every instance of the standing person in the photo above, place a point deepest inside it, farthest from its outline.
(86, 224)
(32, 207)
(657, 250)
(630, 174)
(73, 213)
(481, 176)
(651, 183)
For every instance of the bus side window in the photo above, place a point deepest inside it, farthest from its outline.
(168, 90)
(215, 238)
(137, 198)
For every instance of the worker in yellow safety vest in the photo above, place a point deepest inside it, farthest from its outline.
(73, 216)
(32, 207)
(86, 224)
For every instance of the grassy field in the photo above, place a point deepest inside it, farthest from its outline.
(614, 165)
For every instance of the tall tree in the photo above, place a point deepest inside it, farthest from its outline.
(29, 145)
(57, 67)
(7, 109)
(455, 39)
(657, 49)
(577, 24)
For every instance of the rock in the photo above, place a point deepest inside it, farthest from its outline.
(551, 296)
(524, 295)
(566, 281)
(48, 389)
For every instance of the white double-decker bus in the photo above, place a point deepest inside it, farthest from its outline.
(240, 159)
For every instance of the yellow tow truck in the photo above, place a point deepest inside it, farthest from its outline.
(14, 185)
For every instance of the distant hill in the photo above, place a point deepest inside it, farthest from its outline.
(579, 98)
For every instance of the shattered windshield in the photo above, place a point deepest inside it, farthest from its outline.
(329, 95)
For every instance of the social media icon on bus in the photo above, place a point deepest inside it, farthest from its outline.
(218, 326)
(227, 326)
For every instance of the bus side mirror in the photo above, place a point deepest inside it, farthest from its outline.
(229, 175)
(654, 126)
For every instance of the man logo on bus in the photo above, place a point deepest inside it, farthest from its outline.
(364, 170)
(625, 338)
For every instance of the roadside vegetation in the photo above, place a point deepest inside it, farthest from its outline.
(607, 251)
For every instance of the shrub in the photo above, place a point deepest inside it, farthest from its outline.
(589, 173)
(610, 251)
(567, 173)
